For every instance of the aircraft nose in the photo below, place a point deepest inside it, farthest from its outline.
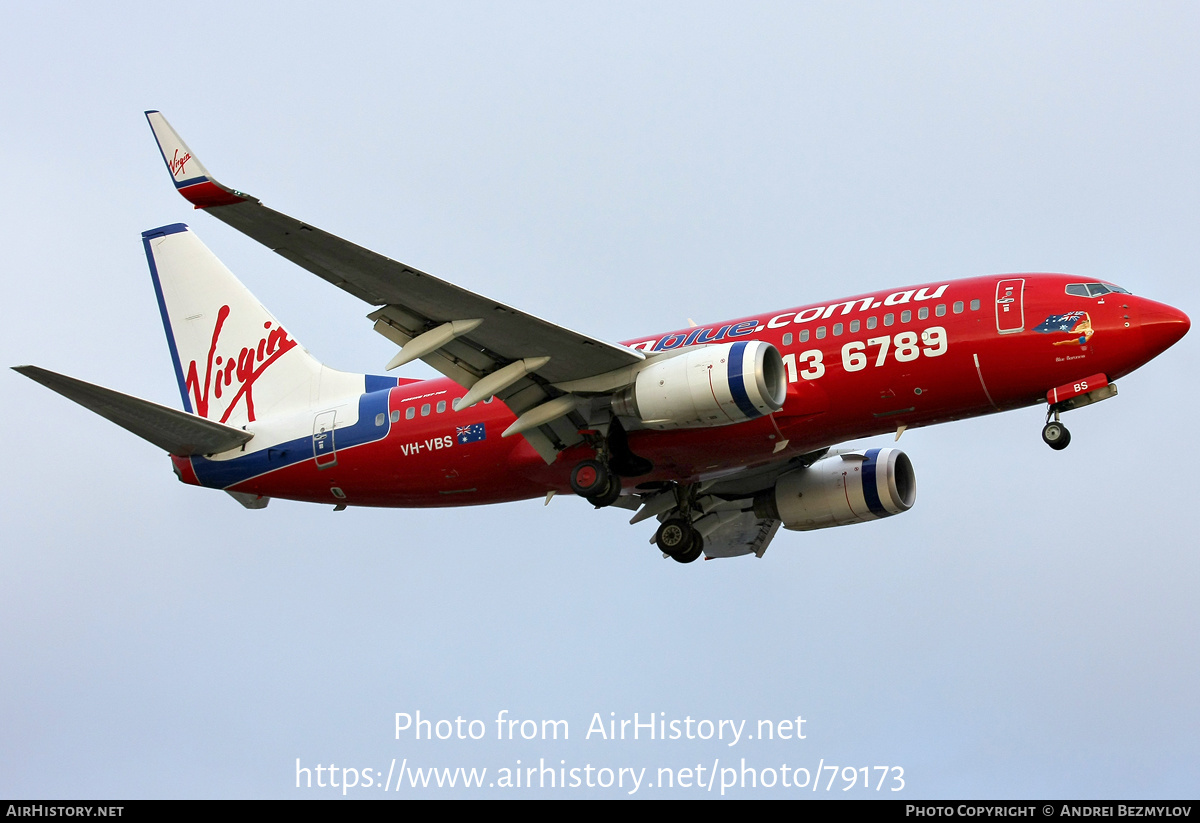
(1163, 326)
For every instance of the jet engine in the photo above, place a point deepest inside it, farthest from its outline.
(709, 386)
(840, 490)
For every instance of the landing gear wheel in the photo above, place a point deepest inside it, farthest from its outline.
(591, 478)
(693, 552)
(676, 537)
(609, 495)
(1056, 436)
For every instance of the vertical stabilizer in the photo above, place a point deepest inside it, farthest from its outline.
(234, 362)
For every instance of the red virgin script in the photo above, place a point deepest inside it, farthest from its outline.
(237, 373)
(176, 163)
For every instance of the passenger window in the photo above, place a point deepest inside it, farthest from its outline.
(974, 305)
(395, 416)
(379, 418)
(804, 335)
(787, 339)
(410, 413)
(820, 332)
(872, 322)
(958, 307)
(441, 406)
(905, 316)
(853, 326)
(425, 410)
(837, 329)
(922, 312)
(941, 309)
(889, 319)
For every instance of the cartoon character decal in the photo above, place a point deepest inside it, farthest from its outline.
(1077, 324)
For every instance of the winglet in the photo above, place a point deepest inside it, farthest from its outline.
(188, 174)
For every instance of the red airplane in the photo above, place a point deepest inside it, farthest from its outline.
(722, 432)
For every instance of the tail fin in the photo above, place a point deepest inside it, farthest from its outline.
(234, 362)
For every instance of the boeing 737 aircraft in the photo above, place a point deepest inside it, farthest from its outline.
(722, 432)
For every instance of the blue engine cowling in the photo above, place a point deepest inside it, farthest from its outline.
(709, 386)
(854, 487)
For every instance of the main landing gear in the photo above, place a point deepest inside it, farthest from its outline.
(595, 482)
(599, 480)
(679, 540)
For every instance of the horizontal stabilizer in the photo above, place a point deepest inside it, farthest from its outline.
(175, 431)
(250, 501)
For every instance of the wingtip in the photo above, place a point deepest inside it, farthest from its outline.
(188, 174)
(35, 373)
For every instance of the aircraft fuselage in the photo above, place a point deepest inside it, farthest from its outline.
(856, 367)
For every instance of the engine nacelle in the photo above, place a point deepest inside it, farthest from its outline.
(840, 490)
(710, 386)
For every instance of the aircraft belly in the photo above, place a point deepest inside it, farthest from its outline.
(379, 474)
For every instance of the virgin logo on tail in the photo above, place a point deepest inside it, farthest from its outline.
(176, 163)
(235, 373)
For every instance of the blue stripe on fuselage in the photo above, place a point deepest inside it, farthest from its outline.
(377, 383)
(221, 474)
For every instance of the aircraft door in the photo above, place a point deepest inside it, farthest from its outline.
(324, 452)
(1010, 306)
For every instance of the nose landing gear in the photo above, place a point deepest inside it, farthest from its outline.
(1069, 396)
(1055, 435)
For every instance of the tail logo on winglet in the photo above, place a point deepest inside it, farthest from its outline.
(235, 373)
(176, 163)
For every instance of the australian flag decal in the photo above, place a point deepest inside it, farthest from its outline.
(1061, 322)
(470, 434)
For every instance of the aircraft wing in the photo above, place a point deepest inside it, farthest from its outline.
(466, 336)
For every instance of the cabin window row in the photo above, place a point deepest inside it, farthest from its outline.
(411, 411)
(889, 319)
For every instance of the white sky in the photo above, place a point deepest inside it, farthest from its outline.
(1027, 630)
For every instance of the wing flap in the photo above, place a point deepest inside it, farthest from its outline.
(745, 534)
(173, 431)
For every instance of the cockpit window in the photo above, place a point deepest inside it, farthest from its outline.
(1093, 289)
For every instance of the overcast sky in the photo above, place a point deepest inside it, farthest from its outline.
(1027, 630)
